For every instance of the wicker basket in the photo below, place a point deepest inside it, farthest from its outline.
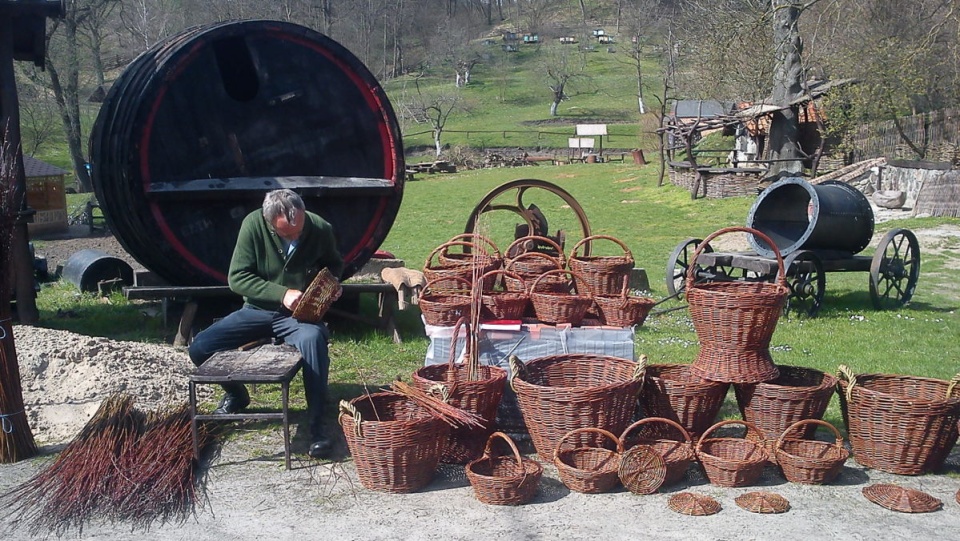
(396, 444)
(797, 393)
(586, 468)
(504, 480)
(560, 393)
(677, 454)
(734, 321)
(500, 304)
(319, 296)
(810, 462)
(444, 301)
(623, 310)
(600, 274)
(558, 308)
(466, 256)
(468, 264)
(480, 396)
(534, 244)
(539, 263)
(674, 392)
(732, 462)
(899, 424)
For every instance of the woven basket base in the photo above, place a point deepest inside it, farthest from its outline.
(904, 500)
(697, 505)
(763, 502)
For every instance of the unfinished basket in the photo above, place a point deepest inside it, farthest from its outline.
(734, 321)
(600, 274)
(797, 393)
(899, 424)
(674, 392)
(470, 263)
(501, 303)
(319, 296)
(395, 443)
(560, 393)
(444, 301)
(698, 505)
(587, 468)
(480, 395)
(810, 462)
(902, 499)
(504, 479)
(558, 308)
(676, 454)
(732, 462)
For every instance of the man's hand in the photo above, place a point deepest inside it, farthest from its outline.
(291, 298)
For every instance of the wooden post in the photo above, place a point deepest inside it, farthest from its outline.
(21, 266)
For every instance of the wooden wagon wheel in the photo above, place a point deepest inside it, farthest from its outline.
(678, 264)
(807, 281)
(895, 269)
(518, 207)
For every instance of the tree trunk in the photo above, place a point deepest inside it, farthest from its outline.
(436, 141)
(553, 107)
(784, 143)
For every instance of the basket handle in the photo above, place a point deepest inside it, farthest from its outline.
(573, 282)
(503, 272)
(447, 245)
(451, 365)
(803, 422)
(522, 241)
(749, 426)
(641, 422)
(600, 431)
(517, 369)
(346, 408)
(781, 274)
(640, 372)
(474, 237)
(953, 384)
(585, 240)
(845, 373)
(488, 450)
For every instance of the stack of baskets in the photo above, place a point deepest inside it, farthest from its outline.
(899, 424)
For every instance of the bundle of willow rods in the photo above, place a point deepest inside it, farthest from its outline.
(16, 438)
(451, 415)
(124, 465)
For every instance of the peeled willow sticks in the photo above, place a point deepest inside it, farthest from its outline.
(124, 465)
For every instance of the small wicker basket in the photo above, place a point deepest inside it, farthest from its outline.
(600, 274)
(677, 455)
(585, 468)
(557, 308)
(445, 300)
(810, 462)
(732, 462)
(504, 480)
(501, 304)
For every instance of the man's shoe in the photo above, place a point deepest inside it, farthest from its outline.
(233, 402)
(321, 447)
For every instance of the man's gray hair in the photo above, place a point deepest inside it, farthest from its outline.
(284, 201)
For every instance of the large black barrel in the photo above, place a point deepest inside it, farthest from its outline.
(87, 268)
(798, 215)
(199, 127)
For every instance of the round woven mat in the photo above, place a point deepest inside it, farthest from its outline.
(904, 500)
(763, 502)
(689, 503)
(642, 469)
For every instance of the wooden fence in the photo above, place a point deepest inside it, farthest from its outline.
(934, 133)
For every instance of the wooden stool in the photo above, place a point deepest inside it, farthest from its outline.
(264, 364)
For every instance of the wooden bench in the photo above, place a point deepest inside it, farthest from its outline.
(269, 363)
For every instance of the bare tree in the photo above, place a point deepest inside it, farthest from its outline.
(560, 64)
(642, 28)
(432, 107)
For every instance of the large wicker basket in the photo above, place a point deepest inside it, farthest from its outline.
(504, 479)
(899, 424)
(480, 396)
(677, 454)
(560, 393)
(673, 391)
(807, 461)
(732, 462)
(396, 444)
(600, 274)
(587, 468)
(555, 307)
(797, 393)
(735, 321)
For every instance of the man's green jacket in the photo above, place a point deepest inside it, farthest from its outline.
(261, 271)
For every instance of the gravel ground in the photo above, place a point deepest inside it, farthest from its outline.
(249, 495)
